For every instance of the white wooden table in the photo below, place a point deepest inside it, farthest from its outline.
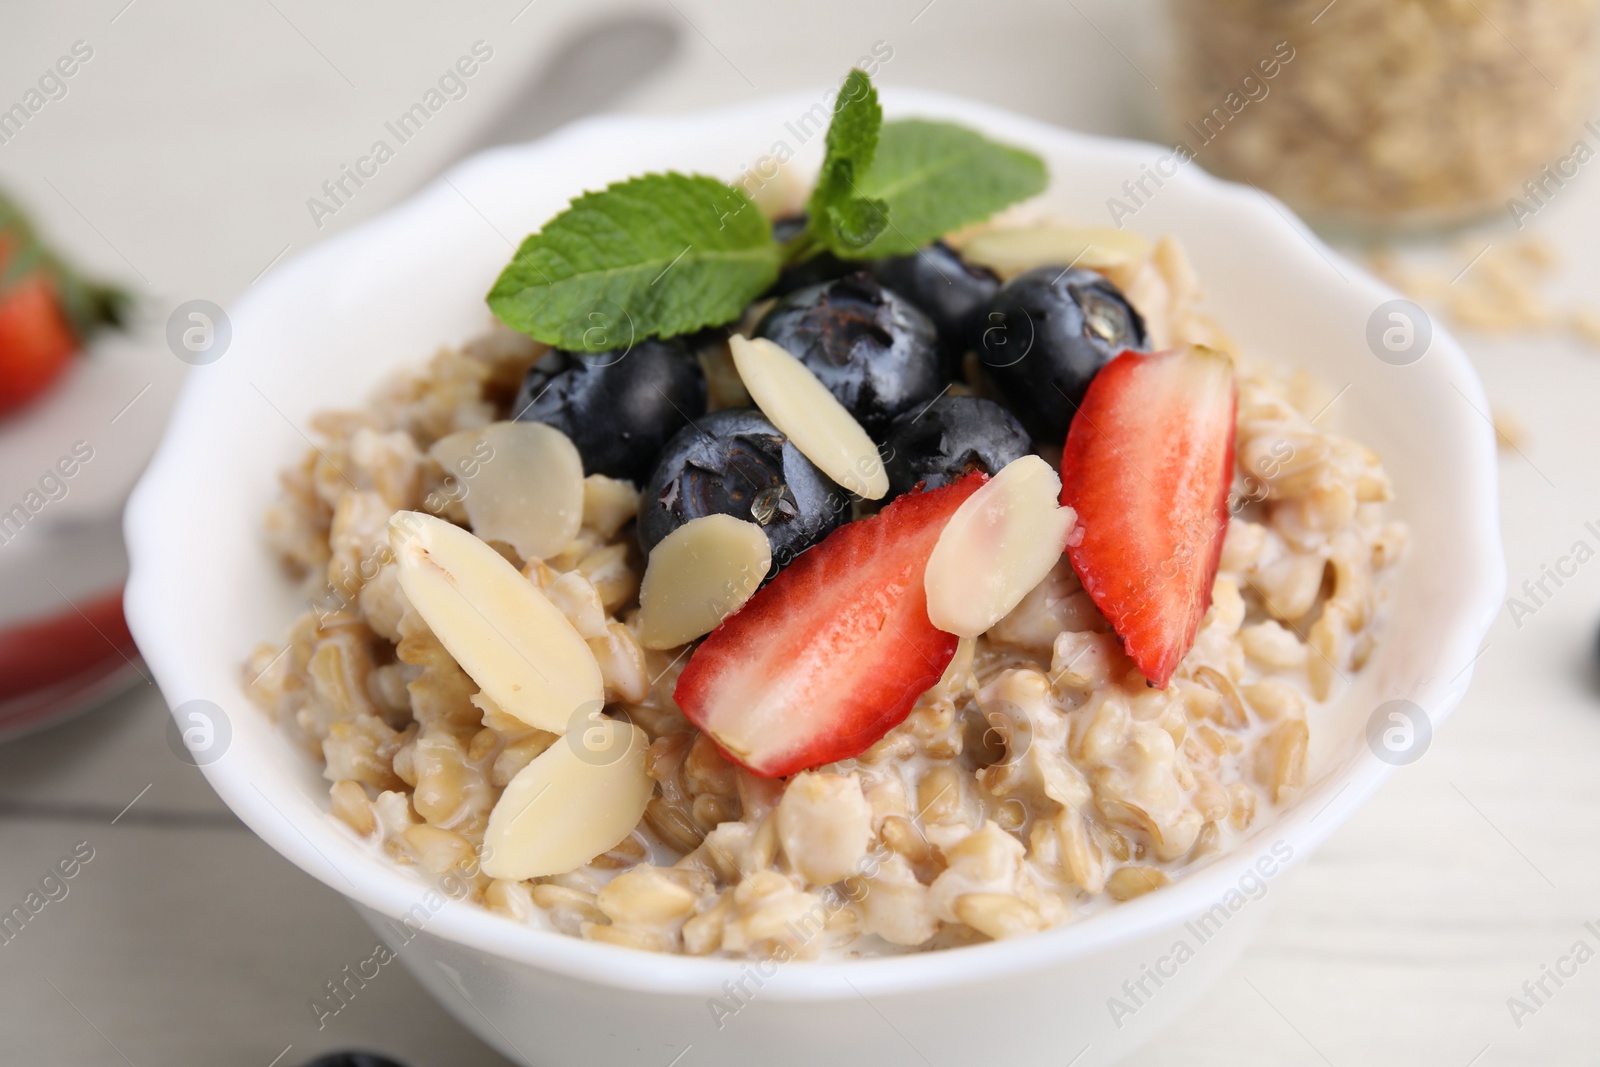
(184, 154)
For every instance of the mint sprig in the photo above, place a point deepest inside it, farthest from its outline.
(667, 254)
(841, 218)
(654, 256)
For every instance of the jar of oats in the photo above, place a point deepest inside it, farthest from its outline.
(1388, 113)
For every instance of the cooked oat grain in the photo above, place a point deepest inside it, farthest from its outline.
(1039, 779)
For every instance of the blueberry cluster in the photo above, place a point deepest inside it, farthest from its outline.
(888, 341)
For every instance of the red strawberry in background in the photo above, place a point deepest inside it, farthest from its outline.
(46, 313)
(833, 653)
(36, 344)
(1147, 466)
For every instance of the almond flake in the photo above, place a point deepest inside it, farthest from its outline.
(608, 504)
(803, 409)
(499, 627)
(523, 484)
(698, 575)
(575, 800)
(1009, 252)
(998, 545)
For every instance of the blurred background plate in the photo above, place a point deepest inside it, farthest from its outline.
(63, 643)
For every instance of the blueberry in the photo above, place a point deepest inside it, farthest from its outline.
(822, 267)
(1049, 332)
(353, 1059)
(789, 227)
(952, 292)
(871, 347)
(955, 435)
(619, 407)
(735, 462)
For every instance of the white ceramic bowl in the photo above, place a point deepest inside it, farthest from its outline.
(323, 328)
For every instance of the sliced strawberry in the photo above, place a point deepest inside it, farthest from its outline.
(833, 654)
(1147, 465)
(36, 344)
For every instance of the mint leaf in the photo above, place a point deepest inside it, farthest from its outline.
(842, 218)
(935, 177)
(856, 222)
(654, 256)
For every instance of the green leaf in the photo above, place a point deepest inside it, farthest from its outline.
(842, 218)
(856, 222)
(654, 256)
(936, 177)
(89, 306)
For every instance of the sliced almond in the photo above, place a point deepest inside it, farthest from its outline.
(1000, 543)
(501, 629)
(809, 415)
(608, 504)
(1009, 252)
(523, 484)
(698, 575)
(577, 799)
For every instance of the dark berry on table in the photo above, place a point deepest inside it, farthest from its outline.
(1047, 334)
(619, 407)
(822, 267)
(953, 436)
(735, 462)
(953, 293)
(353, 1059)
(871, 347)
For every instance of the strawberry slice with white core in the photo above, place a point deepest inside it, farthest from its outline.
(833, 653)
(1147, 466)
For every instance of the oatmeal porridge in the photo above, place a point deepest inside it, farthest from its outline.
(821, 655)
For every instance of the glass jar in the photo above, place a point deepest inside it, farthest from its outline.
(1389, 113)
